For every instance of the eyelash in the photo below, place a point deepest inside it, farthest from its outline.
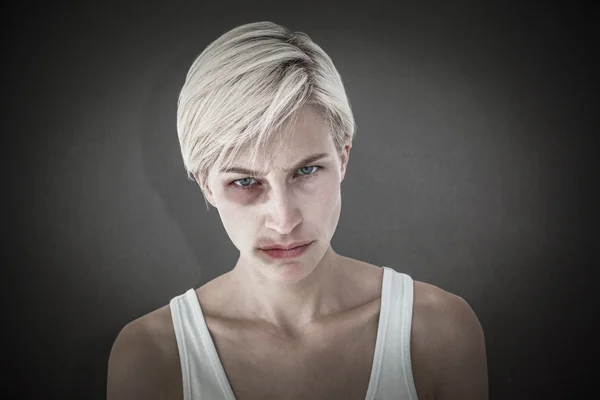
(305, 176)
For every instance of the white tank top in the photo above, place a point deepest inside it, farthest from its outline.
(204, 377)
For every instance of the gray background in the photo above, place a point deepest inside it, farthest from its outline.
(471, 170)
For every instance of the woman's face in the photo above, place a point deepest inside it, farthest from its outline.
(298, 199)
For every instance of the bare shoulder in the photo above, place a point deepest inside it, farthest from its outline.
(447, 346)
(144, 360)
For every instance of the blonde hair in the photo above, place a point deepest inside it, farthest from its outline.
(245, 85)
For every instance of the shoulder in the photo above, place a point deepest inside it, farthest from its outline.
(448, 345)
(441, 316)
(144, 360)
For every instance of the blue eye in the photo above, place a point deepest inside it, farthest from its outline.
(244, 180)
(245, 183)
(308, 173)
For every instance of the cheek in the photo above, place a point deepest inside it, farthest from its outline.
(325, 203)
(236, 221)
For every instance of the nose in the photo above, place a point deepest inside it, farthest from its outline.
(282, 213)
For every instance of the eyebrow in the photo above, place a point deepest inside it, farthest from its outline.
(303, 162)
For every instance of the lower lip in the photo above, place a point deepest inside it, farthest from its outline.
(292, 253)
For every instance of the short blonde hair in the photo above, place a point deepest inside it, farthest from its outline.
(245, 85)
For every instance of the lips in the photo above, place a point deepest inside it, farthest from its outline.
(280, 246)
(292, 253)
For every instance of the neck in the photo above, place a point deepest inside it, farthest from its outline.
(292, 305)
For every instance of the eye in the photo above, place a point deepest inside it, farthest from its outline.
(306, 173)
(309, 169)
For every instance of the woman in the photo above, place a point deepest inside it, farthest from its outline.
(265, 129)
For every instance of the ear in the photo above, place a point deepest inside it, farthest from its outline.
(345, 156)
(206, 190)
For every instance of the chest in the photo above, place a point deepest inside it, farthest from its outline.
(333, 363)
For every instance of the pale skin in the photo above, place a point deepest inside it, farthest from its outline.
(292, 312)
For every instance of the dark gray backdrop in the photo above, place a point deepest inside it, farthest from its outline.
(471, 170)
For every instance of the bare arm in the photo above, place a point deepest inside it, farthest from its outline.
(139, 368)
(461, 355)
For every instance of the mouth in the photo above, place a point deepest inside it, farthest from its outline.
(287, 253)
(286, 248)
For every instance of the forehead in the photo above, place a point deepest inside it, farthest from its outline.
(305, 133)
